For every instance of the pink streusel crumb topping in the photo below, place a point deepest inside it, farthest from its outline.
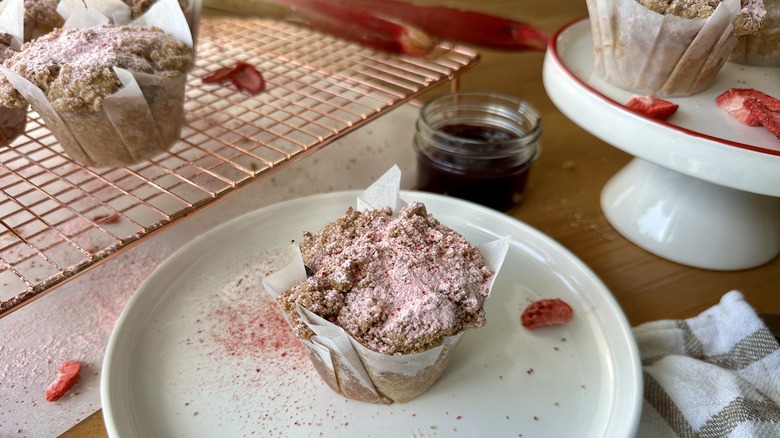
(749, 20)
(398, 285)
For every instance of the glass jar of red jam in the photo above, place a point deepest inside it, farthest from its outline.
(477, 146)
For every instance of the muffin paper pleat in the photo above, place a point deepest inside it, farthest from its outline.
(131, 116)
(35, 96)
(704, 57)
(643, 51)
(12, 21)
(118, 12)
(114, 10)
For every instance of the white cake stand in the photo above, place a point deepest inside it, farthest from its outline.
(703, 189)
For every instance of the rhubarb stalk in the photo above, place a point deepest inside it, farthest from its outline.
(354, 24)
(469, 27)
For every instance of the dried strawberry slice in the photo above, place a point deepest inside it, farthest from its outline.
(652, 106)
(220, 75)
(548, 311)
(67, 377)
(733, 102)
(246, 77)
(765, 115)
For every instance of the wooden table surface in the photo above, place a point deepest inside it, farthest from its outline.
(562, 198)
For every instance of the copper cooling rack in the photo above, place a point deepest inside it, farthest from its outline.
(58, 218)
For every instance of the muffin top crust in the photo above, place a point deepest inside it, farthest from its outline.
(139, 7)
(74, 67)
(749, 19)
(6, 51)
(397, 285)
(42, 13)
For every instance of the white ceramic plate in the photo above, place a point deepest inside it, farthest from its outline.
(180, 364)
(699, 140)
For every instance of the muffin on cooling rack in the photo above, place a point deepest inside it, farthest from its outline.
(111, 95)
(126, 11)
(386, 300)
(13, 121)
(668, 48)
(139, 7)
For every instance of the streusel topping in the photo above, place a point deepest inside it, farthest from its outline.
(398, 285)
(43, 13)
(5, 46)
(749, 20)
(74, 67)
(139, 7)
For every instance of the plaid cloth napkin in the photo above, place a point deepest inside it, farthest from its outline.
(714, 375)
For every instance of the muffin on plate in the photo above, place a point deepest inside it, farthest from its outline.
(111, 95)
(381, 299)
(668, 48)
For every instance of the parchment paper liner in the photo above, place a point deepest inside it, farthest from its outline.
(139, 121)
(117, 12)
(13, 121)
(662, 55)
(347, 366)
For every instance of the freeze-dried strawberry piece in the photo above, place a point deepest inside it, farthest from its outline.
(765, 115)
(733, 102)
(652, 106)
(67, 377)
(244, 76)
(219, 76)
(548, 311)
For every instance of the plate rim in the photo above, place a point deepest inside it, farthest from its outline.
(574, 26)
(138, 300)
(749, 166)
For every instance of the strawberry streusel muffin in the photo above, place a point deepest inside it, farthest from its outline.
(404, 288)
(668, 47)
(111, 95)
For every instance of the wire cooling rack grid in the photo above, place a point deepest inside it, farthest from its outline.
(58, 218)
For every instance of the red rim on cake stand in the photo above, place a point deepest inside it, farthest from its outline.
(702, 189)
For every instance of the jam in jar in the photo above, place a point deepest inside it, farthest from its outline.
(477, 146)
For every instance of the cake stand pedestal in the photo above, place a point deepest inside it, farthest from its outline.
(702, 189)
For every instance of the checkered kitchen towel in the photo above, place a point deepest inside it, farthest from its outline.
(714, 375)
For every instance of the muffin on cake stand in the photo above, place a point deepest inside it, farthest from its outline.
(702, 189)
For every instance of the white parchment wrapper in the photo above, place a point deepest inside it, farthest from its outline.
(662, 55)
(139, 121)
(12, 21)
(347, 366)
(13, 121)
(117, 12)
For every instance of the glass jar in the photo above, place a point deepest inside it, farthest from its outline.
(477, 146)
